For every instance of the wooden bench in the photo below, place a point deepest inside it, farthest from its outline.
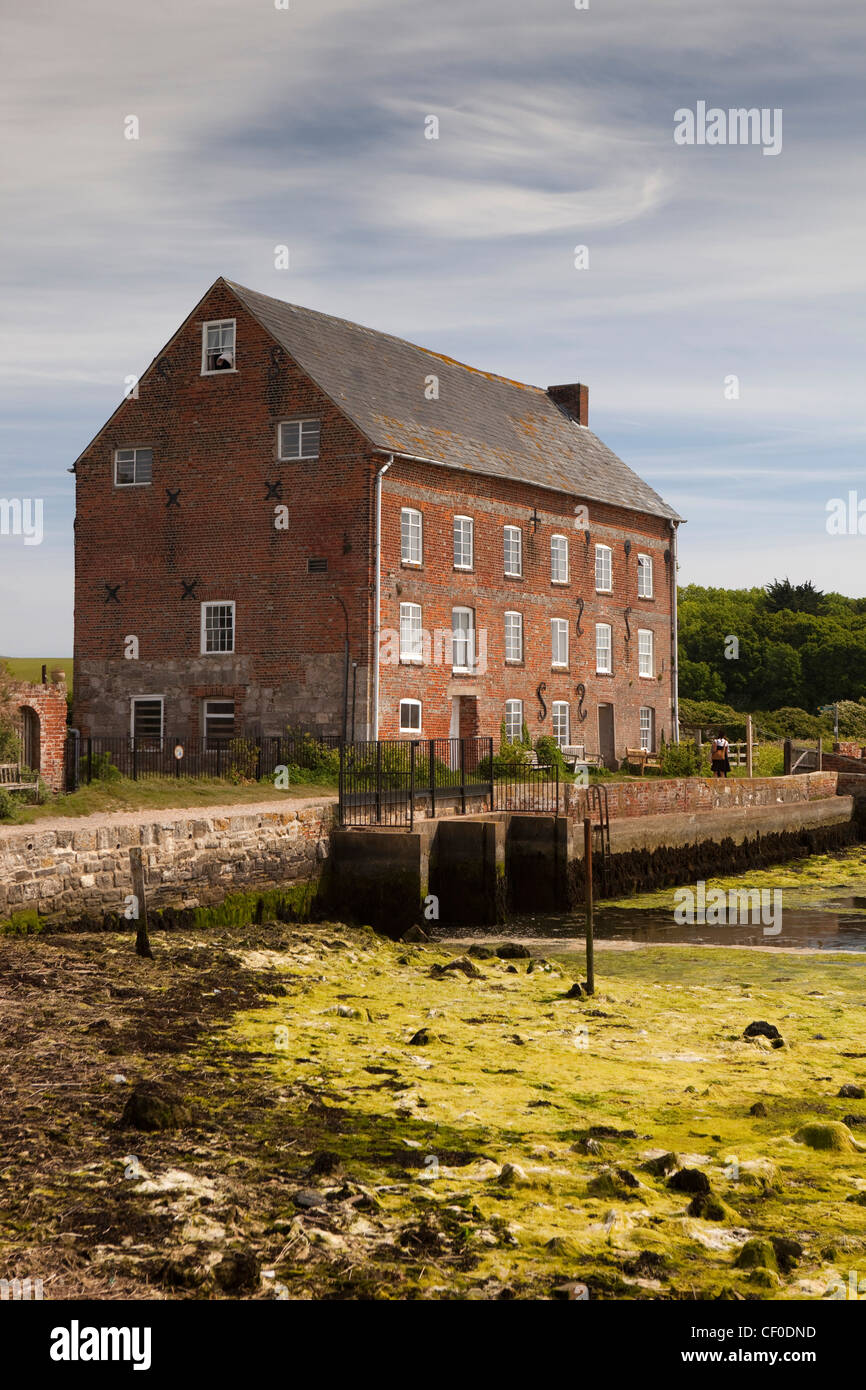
(576, 753)
(10, 779)
(642, 758)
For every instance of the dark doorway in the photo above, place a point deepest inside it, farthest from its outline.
(606, 737)
(468, 716)
(30, 752)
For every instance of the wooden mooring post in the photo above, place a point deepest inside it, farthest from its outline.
(587, 868)
(136, 865)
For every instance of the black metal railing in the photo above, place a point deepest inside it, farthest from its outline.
(244, 756)
(527, 787)
(380, 781)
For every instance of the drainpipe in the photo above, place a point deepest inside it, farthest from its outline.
(675, 676)
(377, 597)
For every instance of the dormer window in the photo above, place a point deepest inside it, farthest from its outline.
(218, 347)
(299, 439)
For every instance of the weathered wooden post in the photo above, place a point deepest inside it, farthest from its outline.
(587, 868)
(787, 748)
(820, 753)
(136, 865)
(749, 745)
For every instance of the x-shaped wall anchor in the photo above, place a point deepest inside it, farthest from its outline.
(274, 489)
(188, 589)
(172, 497)
(112, 593)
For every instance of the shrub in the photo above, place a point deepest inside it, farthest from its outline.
(102, 768)
(791, 722)
(549, 752)
(307, 752)
(7, 805)
(510, 757)
(679, 760)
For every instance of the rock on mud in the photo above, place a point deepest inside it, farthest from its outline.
(832, 1135)
(461, 963)
(237, 1270)
(689, 1180)
(152, 1107)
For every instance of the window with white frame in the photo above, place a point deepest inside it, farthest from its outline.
(463, 528)
(513, 541)
(559, 710)
(645, 652)
(603, 660)
(559, 641)
(644, 576)
(217, 627)
(603, 569)
(218, 346)
(513, 720)
(147, 719)
(410, 716)
(133, 467)
(410, 536)
(411, 643)
(648, 728)
(513, 636)
(299, 439)
(559, 559)
(218, 721)
(463, 639)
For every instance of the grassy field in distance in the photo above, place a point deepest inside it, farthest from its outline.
(29, 668)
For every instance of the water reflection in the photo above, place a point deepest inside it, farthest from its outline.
(837, 925)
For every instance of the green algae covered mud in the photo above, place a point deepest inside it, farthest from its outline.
(503, 1140)
(281, 1111)
(812, 880)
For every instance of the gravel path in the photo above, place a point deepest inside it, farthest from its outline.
(160, 814)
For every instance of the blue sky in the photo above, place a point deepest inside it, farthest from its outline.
(305, 127)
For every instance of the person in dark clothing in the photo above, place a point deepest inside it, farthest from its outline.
(719, 759)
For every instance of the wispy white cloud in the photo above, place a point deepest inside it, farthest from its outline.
(306, 127)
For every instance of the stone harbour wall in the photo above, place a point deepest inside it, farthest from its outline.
(70, 871)
(653, 796)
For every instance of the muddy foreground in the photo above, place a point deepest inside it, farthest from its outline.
(347, 1119)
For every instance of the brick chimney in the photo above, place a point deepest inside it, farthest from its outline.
(573, 399)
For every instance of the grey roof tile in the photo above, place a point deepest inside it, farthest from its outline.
(481, 423)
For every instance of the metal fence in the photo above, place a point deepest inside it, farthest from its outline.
(244, 757)
(382, 782)
(379, 781)
(533, 787)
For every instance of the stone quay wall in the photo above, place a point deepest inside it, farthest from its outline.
(72, 870)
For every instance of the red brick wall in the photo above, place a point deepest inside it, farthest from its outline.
(836, 762)
(438, 494)
(849, 750)
(49, 704)
(215, 438)
(654, 796)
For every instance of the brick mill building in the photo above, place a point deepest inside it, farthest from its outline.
(297, 521)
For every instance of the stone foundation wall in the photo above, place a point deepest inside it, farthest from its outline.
(71, 871)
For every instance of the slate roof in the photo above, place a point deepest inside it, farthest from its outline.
(481, 423)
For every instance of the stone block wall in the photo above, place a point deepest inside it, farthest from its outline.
(68, 871)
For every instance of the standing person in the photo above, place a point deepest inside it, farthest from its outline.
(719, 759)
